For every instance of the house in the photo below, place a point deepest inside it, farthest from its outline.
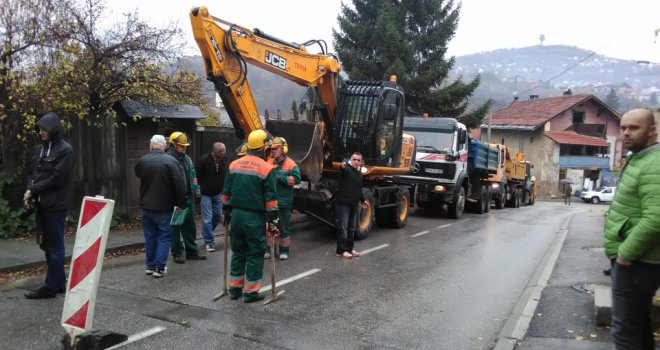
(565, 137)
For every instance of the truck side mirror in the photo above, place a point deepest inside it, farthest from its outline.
(462, 136)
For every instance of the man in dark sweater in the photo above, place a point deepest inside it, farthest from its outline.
(162, 187)
(211, 171)
(348, 198)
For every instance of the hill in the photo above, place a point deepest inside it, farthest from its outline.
(550, 70)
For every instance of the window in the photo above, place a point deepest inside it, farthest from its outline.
(578, 117)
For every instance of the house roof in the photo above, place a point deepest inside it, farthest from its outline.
(573, 138)
(532, 114)
(167, 111)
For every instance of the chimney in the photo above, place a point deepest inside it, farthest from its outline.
(533, 97)
(568, 92)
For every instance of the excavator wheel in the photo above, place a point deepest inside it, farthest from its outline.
(366, 216)
(396, 216)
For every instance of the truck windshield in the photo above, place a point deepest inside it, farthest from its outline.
(436, 141)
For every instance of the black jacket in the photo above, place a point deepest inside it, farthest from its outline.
(161, 182)
(50, 179)
(350, 186)
(211, 181)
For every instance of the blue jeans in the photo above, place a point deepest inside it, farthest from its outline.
(157, 236)
(211, 213)
(633, 290)
(346, 223)
(52, 224)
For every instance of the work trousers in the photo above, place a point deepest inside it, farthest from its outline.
(248, 242)
(187, 231)
(346, 224)
(157, 236)
(633, 290)
(211, 208)
(284, 216)
(52, 225)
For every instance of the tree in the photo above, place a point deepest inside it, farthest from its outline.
(612, 100)
(294, 110)
(653, 100)
(407, 38)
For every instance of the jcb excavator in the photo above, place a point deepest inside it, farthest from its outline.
(362, 116)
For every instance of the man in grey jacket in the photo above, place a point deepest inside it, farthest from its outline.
(162, 187)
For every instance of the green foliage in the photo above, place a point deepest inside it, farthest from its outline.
(408, 39)
(294, 110)
(612, 100)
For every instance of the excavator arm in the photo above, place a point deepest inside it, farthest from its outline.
(227, 48)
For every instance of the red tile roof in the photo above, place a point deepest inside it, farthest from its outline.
(534, 113)
(573, 138)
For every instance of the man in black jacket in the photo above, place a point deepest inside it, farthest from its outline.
(49, 186)
(211, 170)
(162, 187)
(347, 200)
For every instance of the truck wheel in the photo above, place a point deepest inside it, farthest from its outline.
(525, 199)
(366, 216)
(517, 195)
(488, 199)
(455, 210)
(499, 201)
(480, 206)
(595, 200)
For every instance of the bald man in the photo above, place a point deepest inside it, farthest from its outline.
(632, 234)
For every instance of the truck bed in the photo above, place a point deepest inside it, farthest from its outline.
(482, 157)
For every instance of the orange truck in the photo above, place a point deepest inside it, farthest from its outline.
(512, 184)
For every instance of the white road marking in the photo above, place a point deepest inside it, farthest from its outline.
(291, 279)
(367, 251)
(443, 226)
(420, 233)
(138, 336)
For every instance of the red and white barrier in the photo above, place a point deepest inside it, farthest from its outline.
(86, 264)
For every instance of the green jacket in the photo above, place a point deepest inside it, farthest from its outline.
(632, 226)
(250, 184)
(189, 173)
(287, 175)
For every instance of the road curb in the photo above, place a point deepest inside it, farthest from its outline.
(67, 258)
(515, 328)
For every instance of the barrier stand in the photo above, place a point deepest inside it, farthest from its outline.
(84, 275)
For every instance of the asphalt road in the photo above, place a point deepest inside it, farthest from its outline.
(435, 284)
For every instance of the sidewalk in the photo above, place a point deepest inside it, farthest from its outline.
(565, 316)
(19, 254)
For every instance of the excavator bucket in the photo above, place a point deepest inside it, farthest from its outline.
(304, 140)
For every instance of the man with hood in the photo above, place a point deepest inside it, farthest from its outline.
(50, 187)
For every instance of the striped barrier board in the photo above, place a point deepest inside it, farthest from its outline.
(86, 264)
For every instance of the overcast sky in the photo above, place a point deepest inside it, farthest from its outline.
(616, 28)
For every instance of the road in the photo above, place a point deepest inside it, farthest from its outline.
(435, 284)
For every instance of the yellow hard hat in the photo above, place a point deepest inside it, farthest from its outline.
(280, 142)
(257, 139)
(179, 138)
(242, 150)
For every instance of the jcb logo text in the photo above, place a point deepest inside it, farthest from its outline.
(275, 60)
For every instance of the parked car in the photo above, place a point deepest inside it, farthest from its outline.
(606, 194)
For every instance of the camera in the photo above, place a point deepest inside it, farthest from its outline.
(29, 209)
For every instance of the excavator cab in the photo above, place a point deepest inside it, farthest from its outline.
(369, 120)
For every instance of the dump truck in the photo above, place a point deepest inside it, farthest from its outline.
(512, 184)
(450, 169)
(353, 116)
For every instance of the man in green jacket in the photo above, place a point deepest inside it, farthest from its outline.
(287, 175)
(187, 229)
(632, 234)
(249, 199)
